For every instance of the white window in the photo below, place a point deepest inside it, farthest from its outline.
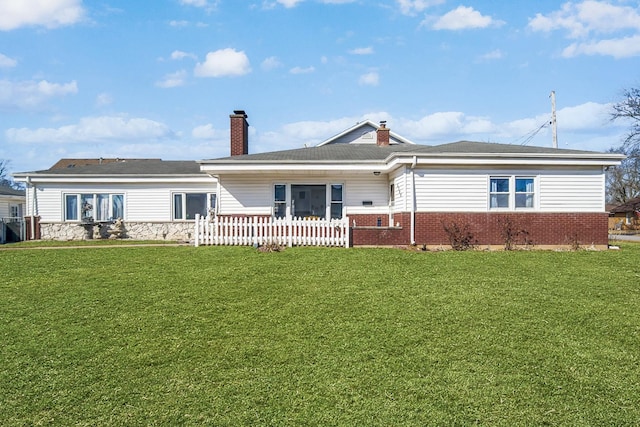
(524, 192)
(308, 200)
(187, 205)
(280, 200)
(392, 194)
(93, 207)
(511, 192)
(499, 193)
(336, 201)
(15, 211)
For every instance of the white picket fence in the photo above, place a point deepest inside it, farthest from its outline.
(247, 231)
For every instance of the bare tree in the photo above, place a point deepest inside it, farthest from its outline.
(5, 178)
(628, 109)
(623, 181)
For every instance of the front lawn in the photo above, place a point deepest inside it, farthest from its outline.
(233, 336)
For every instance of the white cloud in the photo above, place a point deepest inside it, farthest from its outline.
(411, 7)
(300, 70)
(223, 62)
(32, 94)
(433, 125)
(618, 48)
(493, 55)
(182, 23)
(178, 55)
(270, 63)
(462, 18)
(207, 132)
(103, 99)
(94, 129)
(362, 51)
(589, 20)
(584, 117)
(587, 17)
(369, 79)
(173, 80)
(46, 13)
(209, 5)
(289, 3)
(6, 62)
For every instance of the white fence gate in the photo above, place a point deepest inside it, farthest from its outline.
(246, 231)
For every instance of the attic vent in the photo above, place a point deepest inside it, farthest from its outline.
(71, 165)
(367, 135)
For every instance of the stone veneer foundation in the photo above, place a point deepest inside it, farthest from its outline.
(173, 231)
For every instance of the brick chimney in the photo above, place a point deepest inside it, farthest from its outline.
(382, 134)
(239, 133)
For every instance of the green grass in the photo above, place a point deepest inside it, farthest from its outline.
(74, 243)
(376, 337)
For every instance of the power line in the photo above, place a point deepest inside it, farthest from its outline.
(527, 137)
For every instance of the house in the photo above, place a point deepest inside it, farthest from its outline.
(625, 216)
(392, 190)
(12, 208)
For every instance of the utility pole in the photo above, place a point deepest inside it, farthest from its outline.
(554, 125)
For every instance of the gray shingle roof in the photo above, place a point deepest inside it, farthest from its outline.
(5, 190)
(371, 152)
(133, 167)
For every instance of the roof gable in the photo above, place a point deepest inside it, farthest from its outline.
(363, 133)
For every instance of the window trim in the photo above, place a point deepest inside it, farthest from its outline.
(93, 197)
(329, 202)
(211, 197)
(513, 193)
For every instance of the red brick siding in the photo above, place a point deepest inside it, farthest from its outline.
(541, 228)
(556, 229)
(367, 233)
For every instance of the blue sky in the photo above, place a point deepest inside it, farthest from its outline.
(115, 78)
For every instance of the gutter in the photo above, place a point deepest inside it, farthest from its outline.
(413, 200)
(33, 207)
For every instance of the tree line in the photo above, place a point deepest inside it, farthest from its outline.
(623, 181)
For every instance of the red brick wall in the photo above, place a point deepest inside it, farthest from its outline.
(542, 229)
(367, 233)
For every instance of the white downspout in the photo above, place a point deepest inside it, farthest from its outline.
(33, 208)
(413, 200)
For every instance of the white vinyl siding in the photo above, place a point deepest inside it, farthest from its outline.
(245, 195)
(357, 189)
(400, 187)
(468, 190)
(150, 202)
(451, 192)
(572, 192)
(251, 196)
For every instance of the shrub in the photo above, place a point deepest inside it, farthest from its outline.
(460, 237)
(512, 234)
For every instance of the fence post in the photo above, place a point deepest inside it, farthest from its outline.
(347, 231)
(196, 240)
